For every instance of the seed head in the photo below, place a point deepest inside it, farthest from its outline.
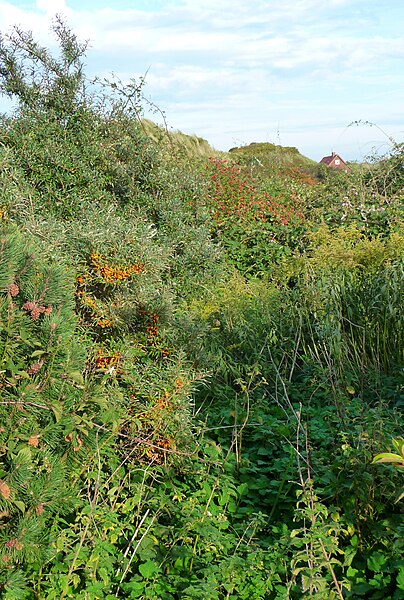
(33, 370)
(13, 289)
(29, 306)
(35, 313)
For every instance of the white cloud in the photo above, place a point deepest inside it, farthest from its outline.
(223, 66)
(52, 6)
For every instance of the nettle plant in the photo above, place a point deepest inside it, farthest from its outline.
(254, 227)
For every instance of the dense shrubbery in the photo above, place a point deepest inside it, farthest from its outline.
(198, 359)
(255, 228)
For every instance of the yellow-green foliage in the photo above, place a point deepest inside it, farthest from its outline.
(331, 250)
(180, 143)
(234, 301)
(349, 248)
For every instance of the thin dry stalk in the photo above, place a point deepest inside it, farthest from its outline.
(136, 547)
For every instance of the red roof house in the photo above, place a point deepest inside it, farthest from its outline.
(335, 162)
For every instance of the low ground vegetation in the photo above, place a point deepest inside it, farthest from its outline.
(200, 356)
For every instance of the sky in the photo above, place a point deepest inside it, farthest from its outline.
(291, 72)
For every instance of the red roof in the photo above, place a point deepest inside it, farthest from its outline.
(334, 161)
(327, 160)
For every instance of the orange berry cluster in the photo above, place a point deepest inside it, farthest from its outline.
(179, 383)
(105, 322)
(153, 329)
(112, 274)
(163, 401)
(89, 303)
(157, 453)
(86, 299)
(150, 321)
(108, 361)
(88, 287)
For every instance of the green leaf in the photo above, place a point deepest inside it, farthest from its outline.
(387, 457)
(136, 588)
(349, 555)
(77, 377)
(351, 572)
(24, 337)
(20, 505)
(400, 578)
(10, 366)
(23, 375)
(400, 496)
(399, 445)
(57, 411)
(376, 562)
(242, 488)
(148, 569)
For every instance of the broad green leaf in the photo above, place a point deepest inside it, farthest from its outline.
(24, 337)
(23, 375)
(148, 569)
(242, 488)
(376, 562)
